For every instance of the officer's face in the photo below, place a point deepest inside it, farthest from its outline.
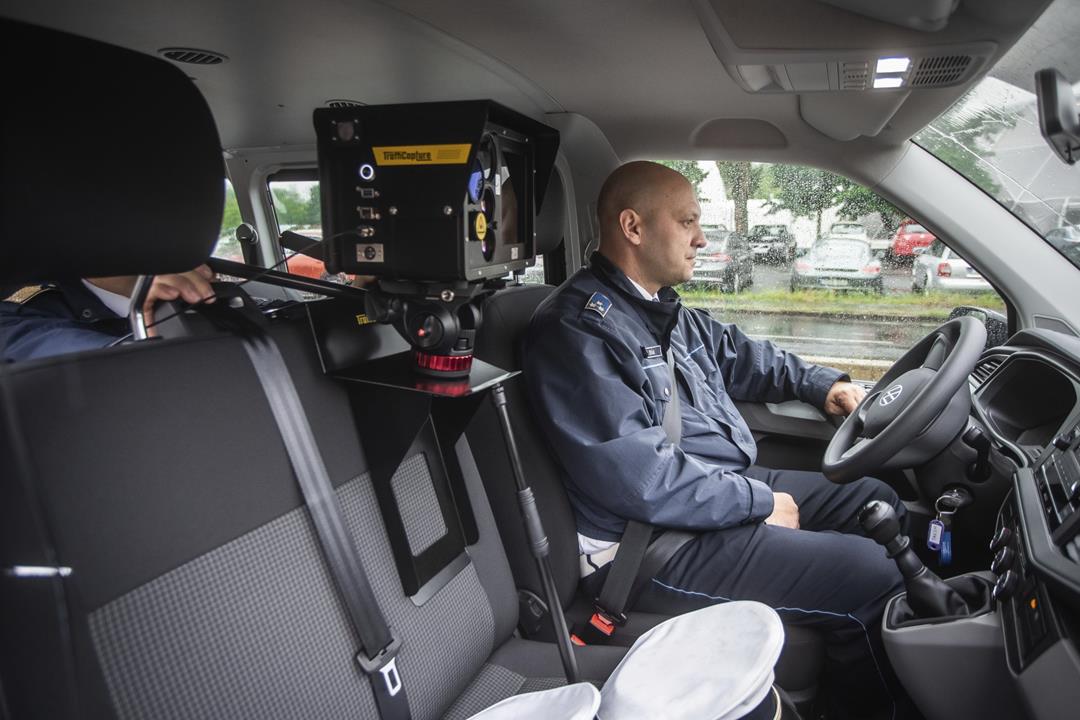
(672, 234)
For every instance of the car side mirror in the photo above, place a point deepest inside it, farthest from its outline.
(996, 324)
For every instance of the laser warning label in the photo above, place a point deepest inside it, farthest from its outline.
(422, 154)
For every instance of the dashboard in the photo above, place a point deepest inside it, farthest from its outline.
(1027, 396)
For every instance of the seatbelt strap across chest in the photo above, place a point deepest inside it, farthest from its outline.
(634, 544)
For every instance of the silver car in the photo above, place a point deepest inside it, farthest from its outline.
(939, 268)
(838, 263)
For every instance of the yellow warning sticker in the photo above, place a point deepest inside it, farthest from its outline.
(481, 226)
(363, 319)
(422, 154)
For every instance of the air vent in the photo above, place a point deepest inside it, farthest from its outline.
(342, 103)
(854, 75)
(191, 56)
(984, 370)
(941, 70)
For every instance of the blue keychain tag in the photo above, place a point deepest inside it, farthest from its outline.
(946, 548)
(934, 535)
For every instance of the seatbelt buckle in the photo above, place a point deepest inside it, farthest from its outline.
(385, 664)
(606, 622)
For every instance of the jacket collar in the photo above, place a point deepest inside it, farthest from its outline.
(83, 304)
(660, 317)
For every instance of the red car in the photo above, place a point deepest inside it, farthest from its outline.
(909, 235)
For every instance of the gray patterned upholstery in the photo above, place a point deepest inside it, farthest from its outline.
(494, 684)
(255, 629)
(251, 629)
(418, 504)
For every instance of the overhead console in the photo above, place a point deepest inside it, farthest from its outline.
(864, 61)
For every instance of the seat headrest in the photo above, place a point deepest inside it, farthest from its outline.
(551, 222)
(111, 161)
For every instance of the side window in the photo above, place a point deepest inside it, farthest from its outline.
(830, 270)
(297, 207)
(228, 248)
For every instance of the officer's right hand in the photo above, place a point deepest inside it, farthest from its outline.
(192, 287)
(785, 512)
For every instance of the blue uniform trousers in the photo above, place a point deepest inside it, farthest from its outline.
(825, 576)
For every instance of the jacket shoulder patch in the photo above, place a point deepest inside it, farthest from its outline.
(599, 304)
(28, 293)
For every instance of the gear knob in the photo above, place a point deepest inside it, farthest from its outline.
(878, 520)
(927, 595)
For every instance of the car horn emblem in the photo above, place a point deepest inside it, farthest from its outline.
(890, 395)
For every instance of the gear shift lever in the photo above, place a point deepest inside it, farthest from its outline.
(927, 594)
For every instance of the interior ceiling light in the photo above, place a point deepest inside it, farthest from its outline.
(888, 82)
(893, 65)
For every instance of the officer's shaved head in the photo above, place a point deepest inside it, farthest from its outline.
(649, 224)
(640, 186)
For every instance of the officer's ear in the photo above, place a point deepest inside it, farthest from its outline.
(630, 225)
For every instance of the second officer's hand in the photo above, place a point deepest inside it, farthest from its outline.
(785, 512)
(191, 287)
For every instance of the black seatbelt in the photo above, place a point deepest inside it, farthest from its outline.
(637, 559)
(378, 656)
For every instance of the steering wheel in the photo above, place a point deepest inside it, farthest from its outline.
(915, 410)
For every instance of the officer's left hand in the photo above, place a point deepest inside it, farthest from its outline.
(843, 398)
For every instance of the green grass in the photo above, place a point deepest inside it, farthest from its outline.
(933, 305)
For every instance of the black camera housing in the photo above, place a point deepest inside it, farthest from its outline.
(431, 192)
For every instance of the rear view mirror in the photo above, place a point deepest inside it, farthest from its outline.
(1058, 118)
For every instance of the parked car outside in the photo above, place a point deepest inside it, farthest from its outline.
(773, 243)
(939, 268)
(838, 263)
(858, 230)
(848, 230)
(909, 236)
(726, 262)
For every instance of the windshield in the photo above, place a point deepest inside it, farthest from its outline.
(991, 135)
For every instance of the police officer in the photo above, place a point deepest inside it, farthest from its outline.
(55, 318)
(596, 361)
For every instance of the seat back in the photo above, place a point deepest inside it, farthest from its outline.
(506, 318)
(197, 587)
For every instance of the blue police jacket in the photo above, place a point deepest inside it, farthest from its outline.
(53, 319)
(594, 360)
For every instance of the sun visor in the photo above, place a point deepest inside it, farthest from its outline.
(111, 161)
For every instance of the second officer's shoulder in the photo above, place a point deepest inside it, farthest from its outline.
(30, 293)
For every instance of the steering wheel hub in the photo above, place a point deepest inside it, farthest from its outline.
(893, 400)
